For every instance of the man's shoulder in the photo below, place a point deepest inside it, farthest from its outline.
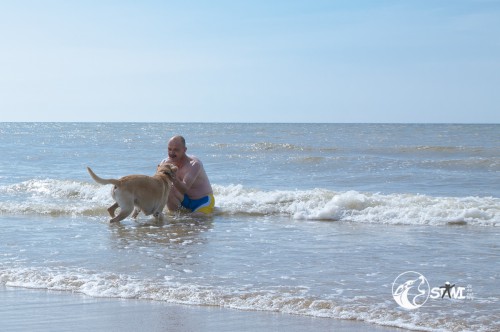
(194, 159)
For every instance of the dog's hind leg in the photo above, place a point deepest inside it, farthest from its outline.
(126, 203)
(124, 213)
(112, 209)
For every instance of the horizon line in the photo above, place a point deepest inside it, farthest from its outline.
(262, 122)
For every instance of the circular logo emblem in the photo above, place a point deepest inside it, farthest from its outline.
(410, 290)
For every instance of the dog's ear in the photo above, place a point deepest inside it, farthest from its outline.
(173, 168)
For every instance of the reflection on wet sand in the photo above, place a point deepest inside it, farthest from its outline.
(169, 233)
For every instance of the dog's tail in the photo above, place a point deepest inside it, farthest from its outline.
(102, 181)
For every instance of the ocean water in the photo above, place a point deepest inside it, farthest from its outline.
(320, 220)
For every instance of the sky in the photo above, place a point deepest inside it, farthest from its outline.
(352, 61)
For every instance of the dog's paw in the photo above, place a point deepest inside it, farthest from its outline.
(158, 215)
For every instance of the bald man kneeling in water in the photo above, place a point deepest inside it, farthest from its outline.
(191, 187)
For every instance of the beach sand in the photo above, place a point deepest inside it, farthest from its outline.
(40, 310)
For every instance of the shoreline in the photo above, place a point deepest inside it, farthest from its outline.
(45, 310)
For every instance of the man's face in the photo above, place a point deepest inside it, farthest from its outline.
(176, 150)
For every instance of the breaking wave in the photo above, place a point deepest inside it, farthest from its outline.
(64, 197)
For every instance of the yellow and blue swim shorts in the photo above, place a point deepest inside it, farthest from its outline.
(205, 204)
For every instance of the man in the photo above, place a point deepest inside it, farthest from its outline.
(191, 187)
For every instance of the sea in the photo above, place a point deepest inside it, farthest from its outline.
(364, 222)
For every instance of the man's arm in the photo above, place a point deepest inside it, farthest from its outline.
(183, 185)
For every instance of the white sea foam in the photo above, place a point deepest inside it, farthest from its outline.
(61, 197)
(290, 300)
(321, 204)
(54, 197)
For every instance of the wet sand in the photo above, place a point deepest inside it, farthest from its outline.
(40, 310)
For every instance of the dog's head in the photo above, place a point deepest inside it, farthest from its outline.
(166, 169)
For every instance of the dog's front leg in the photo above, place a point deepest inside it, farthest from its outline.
(136, 213)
